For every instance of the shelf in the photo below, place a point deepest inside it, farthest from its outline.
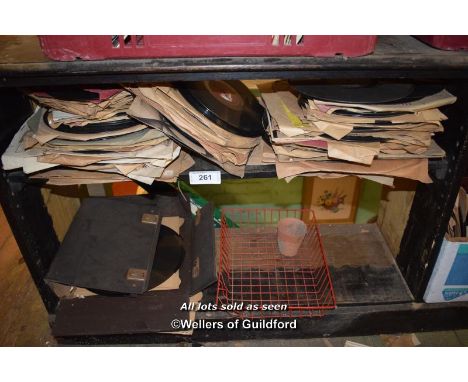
(362, 267)
(23, 64)
(437, 169)
(344, 321)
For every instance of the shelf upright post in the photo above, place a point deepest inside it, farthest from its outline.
(23, 203)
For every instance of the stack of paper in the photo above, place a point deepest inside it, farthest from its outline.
(155, 106)
(377, 140)
(136, 152)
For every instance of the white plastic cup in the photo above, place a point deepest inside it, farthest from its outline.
(291, 232)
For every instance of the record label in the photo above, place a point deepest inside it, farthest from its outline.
(226, 94)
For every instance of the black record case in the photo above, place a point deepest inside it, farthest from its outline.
(105, 267)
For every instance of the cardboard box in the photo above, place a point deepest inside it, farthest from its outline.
(449, 280)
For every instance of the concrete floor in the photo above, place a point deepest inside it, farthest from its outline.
(23, 318)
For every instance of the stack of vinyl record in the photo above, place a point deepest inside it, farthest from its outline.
(374, 129)
(219, 120)
(86, 136)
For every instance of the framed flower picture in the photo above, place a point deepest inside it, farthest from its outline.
(333, 200)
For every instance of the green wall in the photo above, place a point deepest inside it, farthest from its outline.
(369, 201)
(253, 192)
(277, 193)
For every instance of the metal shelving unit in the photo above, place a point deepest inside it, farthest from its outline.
(396, 58)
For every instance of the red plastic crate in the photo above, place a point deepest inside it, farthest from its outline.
(69, 48)
(253, 271)
(446, 42)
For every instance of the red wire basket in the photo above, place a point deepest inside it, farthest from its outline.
(253, 273)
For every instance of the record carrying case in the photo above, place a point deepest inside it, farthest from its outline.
(70, 48)
(108, 240)
(95, 266)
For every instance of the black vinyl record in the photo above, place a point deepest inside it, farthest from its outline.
(169, 256)
(371, 114)
(94, 127)
(172, 126)
(72, 92)
(302, 100)
(229, 104)
(420, 91)
(368, 93)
